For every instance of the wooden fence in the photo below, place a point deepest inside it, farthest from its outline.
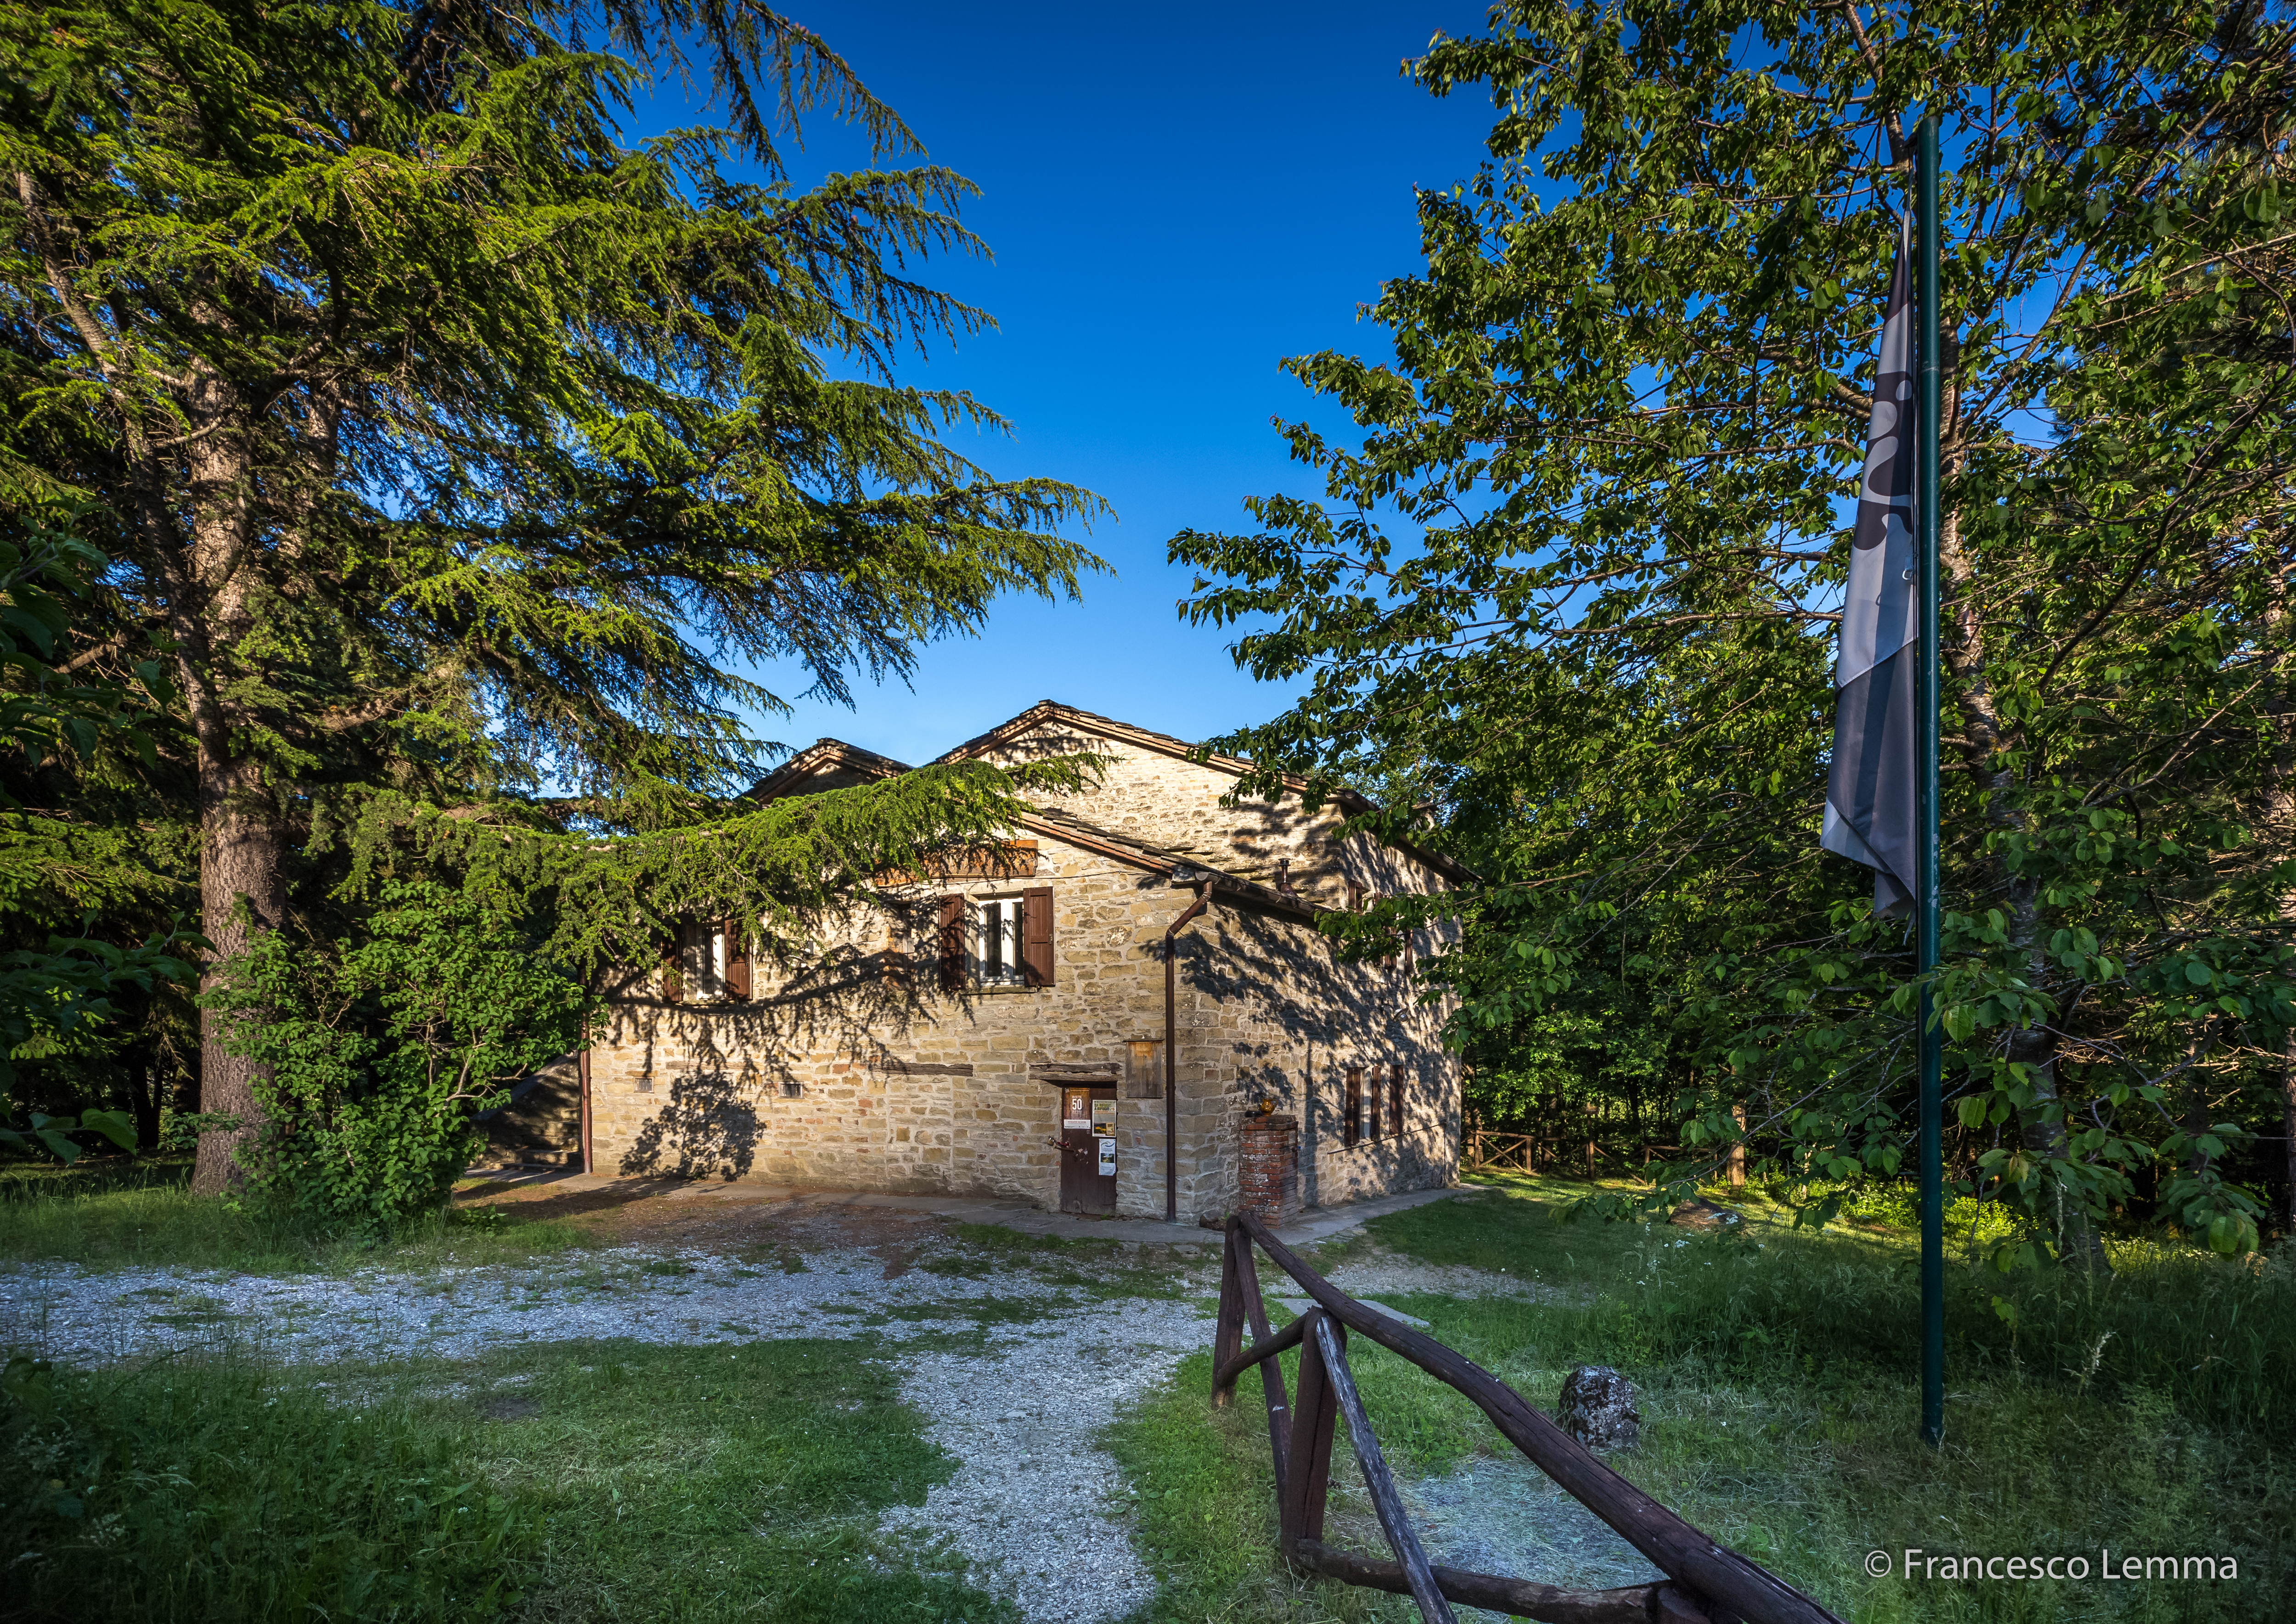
(1705, 1584)
(1489, 1152)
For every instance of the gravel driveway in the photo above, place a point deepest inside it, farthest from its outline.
(650, 1296)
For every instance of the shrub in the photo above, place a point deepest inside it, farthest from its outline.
(377, 1056)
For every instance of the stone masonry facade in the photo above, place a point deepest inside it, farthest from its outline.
(865, 1073)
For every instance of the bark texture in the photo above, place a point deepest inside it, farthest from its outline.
(242, 836)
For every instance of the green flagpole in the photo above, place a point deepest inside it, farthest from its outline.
(1925, 510)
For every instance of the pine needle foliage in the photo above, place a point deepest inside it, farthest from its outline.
(453, 445)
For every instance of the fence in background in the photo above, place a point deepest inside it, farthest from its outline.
(1486, 1152)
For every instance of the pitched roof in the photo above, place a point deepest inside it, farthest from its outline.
(1164, 743)
(837, 753)
(1165, 860)
(1052, 710)
(820, 754)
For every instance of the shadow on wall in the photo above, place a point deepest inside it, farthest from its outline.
(1309, 1017)
(709, 1129)
(734, 1055)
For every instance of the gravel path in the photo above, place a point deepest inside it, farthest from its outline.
(1034, 1505)
(1504, 1515)
(1391, 1273)
(1019, 1416)
(66, 1313)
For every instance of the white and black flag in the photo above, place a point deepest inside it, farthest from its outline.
(1870, 796)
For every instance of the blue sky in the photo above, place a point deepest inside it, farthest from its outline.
(1177, 198)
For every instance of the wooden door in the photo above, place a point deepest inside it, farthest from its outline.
(1088, 1149)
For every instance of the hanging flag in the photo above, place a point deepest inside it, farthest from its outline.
(1870, 811)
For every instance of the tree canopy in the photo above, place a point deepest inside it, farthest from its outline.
(456, 448)
(1577, 583)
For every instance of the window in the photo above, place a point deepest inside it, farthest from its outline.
(997, 942)
(710, 961)
(1371, 1106)
(999, 927)
(1395, 1099)
(1351, 1115)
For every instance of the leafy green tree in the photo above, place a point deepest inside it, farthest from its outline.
(1578, 579)
(456, 447)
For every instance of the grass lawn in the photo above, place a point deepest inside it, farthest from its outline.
(576, 1482)
(2146, 1413)
(115, 1212)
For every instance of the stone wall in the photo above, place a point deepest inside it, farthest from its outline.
(862, 1073)
(541, 1123)
(858, 1072)
(1156, 798)
(1275, 1016)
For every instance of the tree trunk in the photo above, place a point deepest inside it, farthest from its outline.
(146, 1096)
(1962, 651)
(242, 833)
(2288, 1117)
(2280, 829)
(242, 889)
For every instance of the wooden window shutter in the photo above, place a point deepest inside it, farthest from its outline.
(952, 943)
(673, 969)
(1036, 934)
(737, 960)
(1351, 1119)
(1394, 1097)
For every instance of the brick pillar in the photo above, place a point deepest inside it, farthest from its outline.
(1268, 1172)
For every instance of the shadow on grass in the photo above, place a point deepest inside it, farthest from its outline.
(144, 1215)
(608, 1479)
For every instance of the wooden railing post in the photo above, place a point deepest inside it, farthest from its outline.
(1314, 1411)
(1271, 1373)
(1227, 1342)
(1709, 1582)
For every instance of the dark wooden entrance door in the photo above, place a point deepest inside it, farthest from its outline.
(1088, 1149)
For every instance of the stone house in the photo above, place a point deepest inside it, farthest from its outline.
(1136, 966)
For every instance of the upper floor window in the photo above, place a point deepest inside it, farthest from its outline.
(1000, 931)
(710, 961)
(997, 942)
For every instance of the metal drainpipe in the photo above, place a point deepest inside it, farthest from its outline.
(1171, 1060)
(584, 1072)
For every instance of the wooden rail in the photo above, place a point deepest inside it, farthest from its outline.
(1705, 1584)
(1486, 1151)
